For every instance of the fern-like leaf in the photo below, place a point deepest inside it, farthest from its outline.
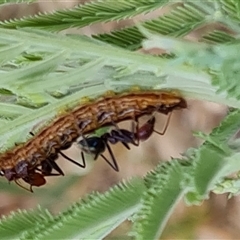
(231, 8)
(215, 160)
(18, 222)
(93, 217)
(11, 111)
(3, 2)
(218, 37)
(89, 13)
(159, 201)
(178, 22)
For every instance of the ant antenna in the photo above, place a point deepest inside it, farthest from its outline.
(29, 190)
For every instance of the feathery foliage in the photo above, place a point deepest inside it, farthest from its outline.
(159, 201)
(89, 13)
(176, 23)
(21, 221)
(15, 1)
(44, 73)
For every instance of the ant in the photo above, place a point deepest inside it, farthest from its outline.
(49, 163)
(22, 171)
(35, 176)
(97, 145)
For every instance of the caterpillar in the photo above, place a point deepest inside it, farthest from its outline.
(23, 161)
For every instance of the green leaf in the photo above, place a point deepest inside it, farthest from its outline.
(15, 1)
(215, 160)
(209, 164)
(218, 37)
(178, 22)
(231, 8)
(221, 61)
(159, 201)
(14, 225)
(229, 186)
(73, 77)
(52, 72)
(10, 111)
(9, 52)
(89, 13)
(95, 216)
(32, 71)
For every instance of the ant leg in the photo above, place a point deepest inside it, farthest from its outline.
(125, 145)
(83, 159)
(54, 165)
(73, 161)
(135, 130)
(166, 125)
(88, 148)
(114, 164)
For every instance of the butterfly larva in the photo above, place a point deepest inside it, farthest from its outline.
(21, 160)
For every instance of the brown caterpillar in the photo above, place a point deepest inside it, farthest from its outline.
(23, 161)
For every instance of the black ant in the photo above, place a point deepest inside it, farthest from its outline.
(96, 145)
